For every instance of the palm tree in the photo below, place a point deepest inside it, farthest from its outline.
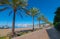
(33, 12)
(16, 5)
(40, 18)
(46, 21)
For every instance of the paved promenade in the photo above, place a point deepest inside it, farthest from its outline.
(40, 34)
(53, 33)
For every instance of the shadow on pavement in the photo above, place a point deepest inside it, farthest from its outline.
(53, 34)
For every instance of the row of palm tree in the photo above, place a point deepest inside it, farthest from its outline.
(41, 17)
(18, 5)
(34, 12)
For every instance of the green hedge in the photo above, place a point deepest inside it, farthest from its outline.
(57, 26)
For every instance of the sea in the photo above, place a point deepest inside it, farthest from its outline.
(20, 27)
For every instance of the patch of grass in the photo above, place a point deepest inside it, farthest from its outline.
(5, 37)
(41, 28)
(22, 33)
(2, 37)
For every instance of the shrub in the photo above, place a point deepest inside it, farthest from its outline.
(57, 26)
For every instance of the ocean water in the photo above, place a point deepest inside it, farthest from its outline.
(19, 27)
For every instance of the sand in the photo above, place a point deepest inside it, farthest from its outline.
(4, 32)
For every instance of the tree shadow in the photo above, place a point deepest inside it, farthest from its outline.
(53, 33)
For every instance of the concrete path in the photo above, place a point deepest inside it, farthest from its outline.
(40, 34)
(53, 33)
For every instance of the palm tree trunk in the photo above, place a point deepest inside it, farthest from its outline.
(39, 24)
(33, 22)
(13, 23)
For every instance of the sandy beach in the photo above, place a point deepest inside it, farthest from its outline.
(4, 32)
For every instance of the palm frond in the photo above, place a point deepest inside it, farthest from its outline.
(23, 3)
(34, 11)
(4, 2)
(2, 5)
(26, 10)
(39, 18)
(3, 9)
(14, 2)
(20, 15)
(10, 13)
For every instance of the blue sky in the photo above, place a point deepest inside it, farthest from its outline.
(47, 7)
